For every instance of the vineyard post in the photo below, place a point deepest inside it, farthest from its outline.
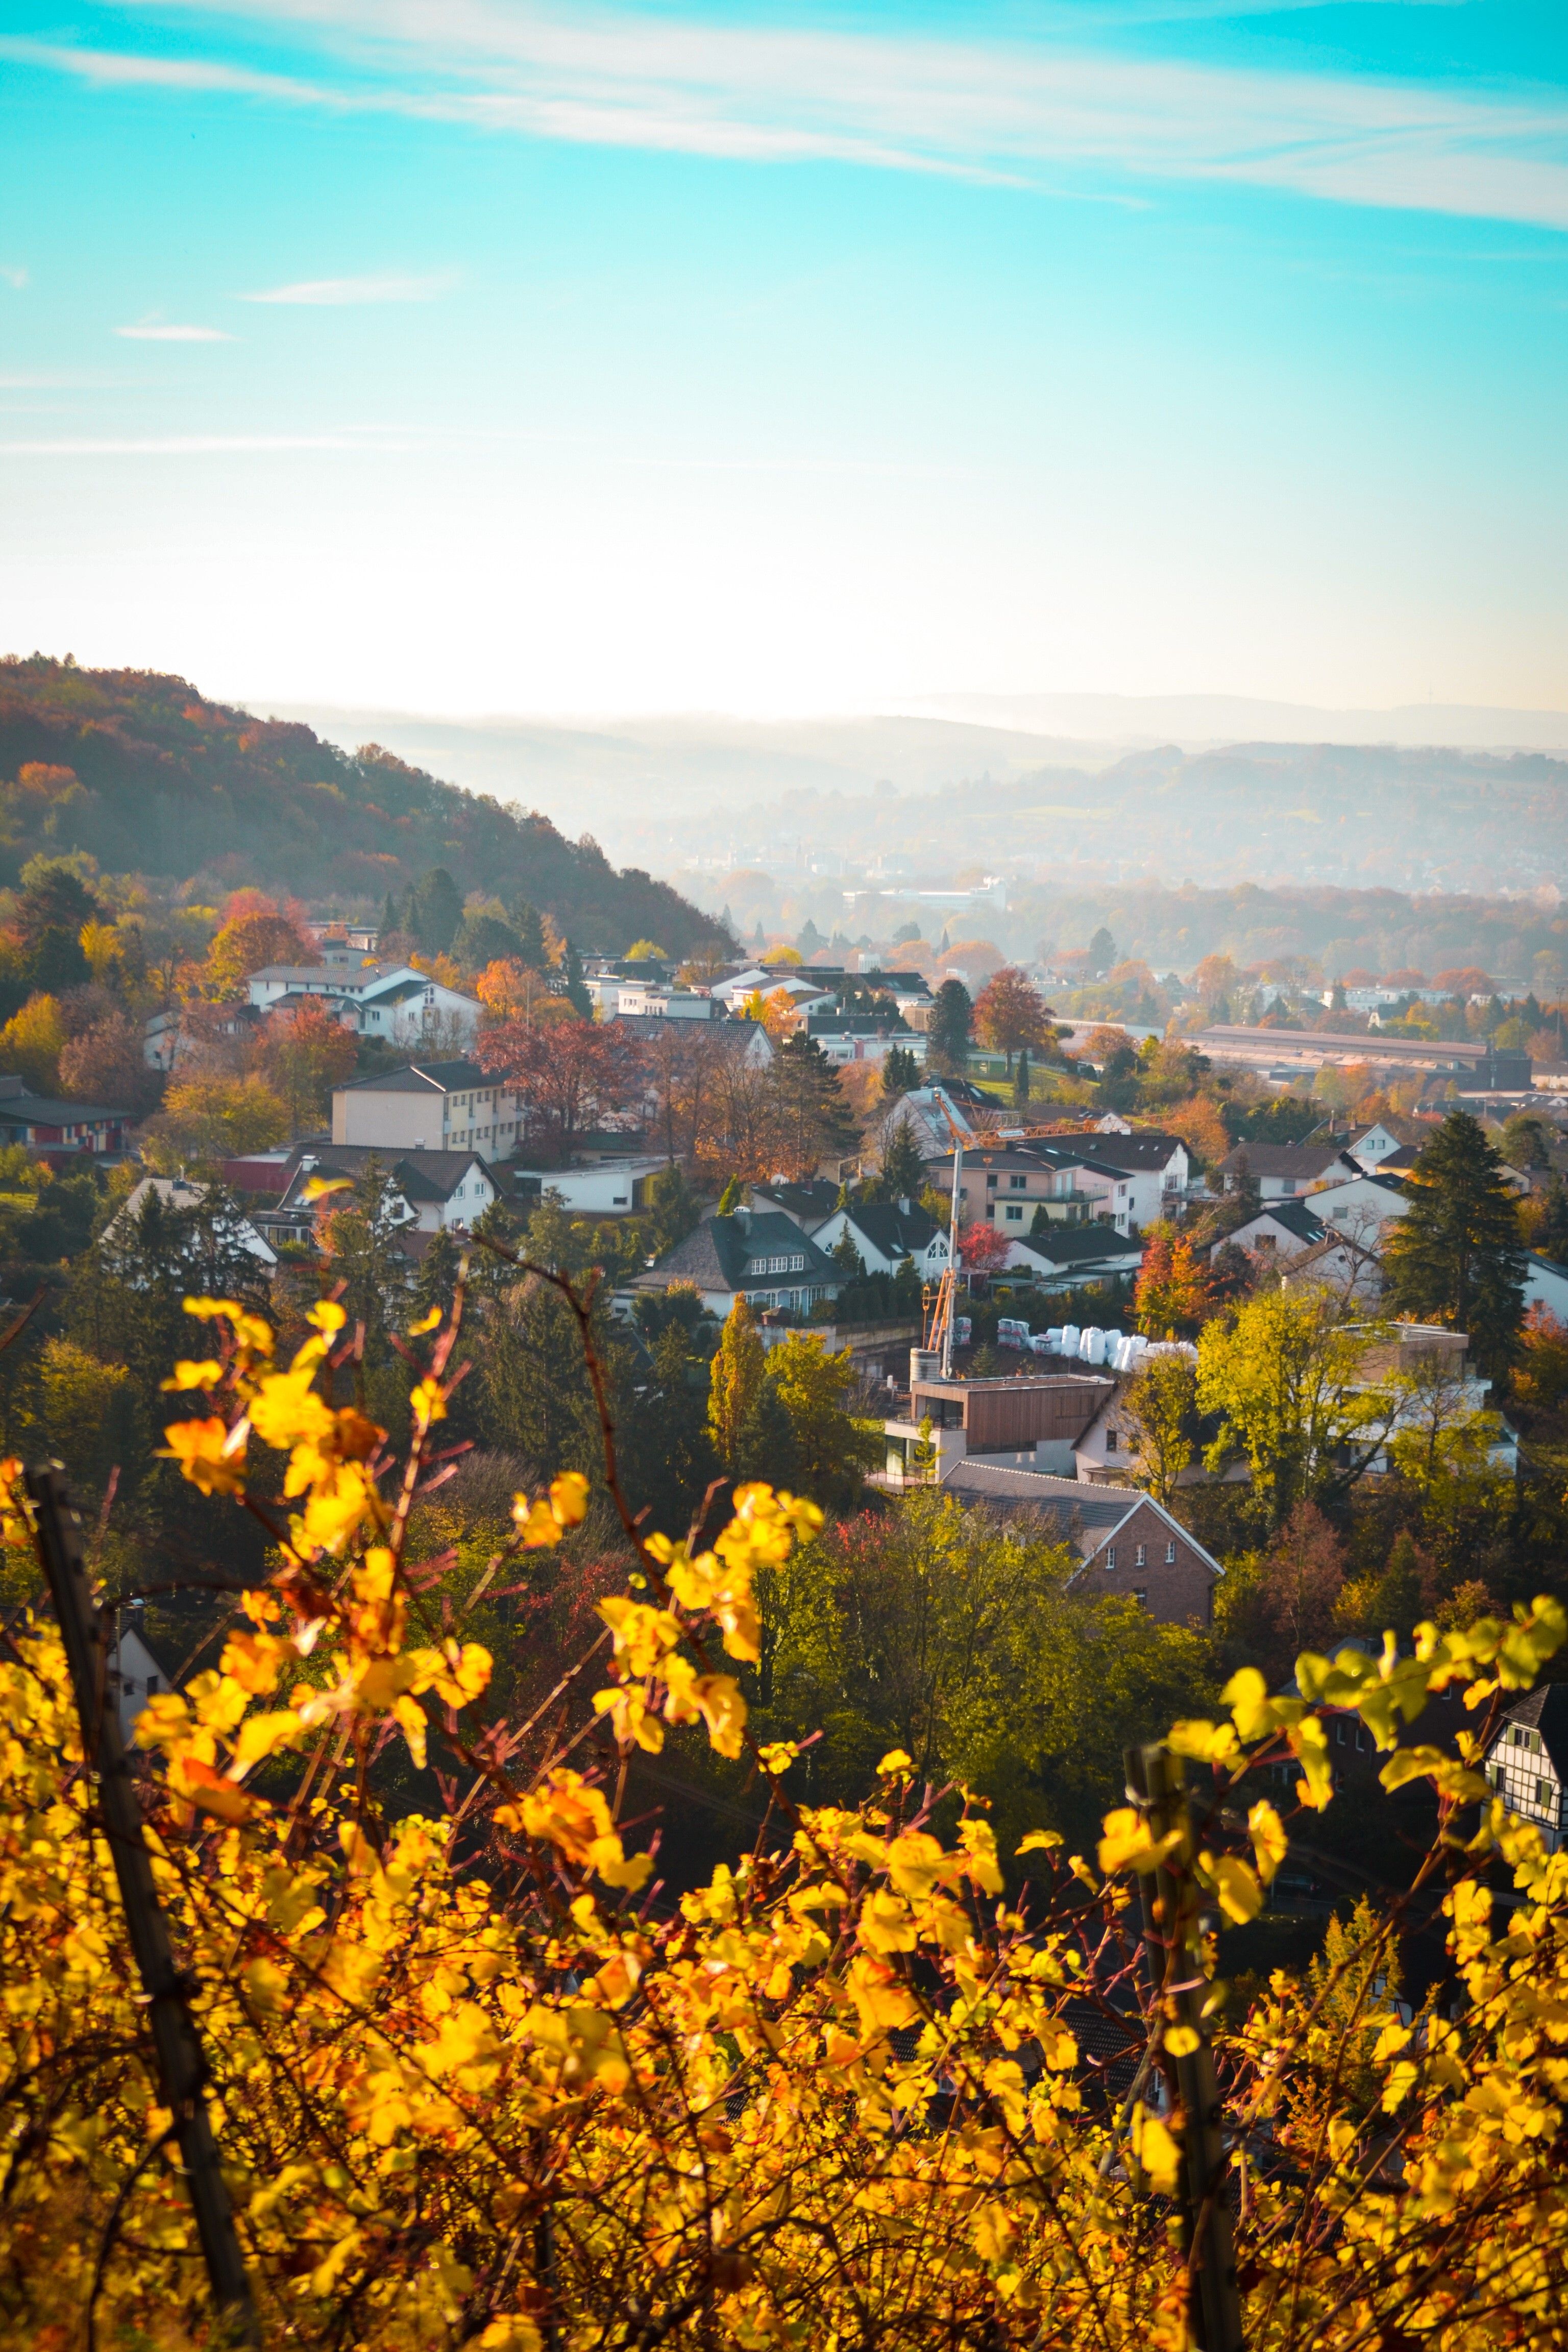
(1178, 1988)
(182, 2063)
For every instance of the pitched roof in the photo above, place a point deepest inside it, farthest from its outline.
(1545, 1710)
(1069, 1246)
(722, 1254)
(813, 1201)
(422, 1077)
(1368, 1176)
(49, 1110)
(1294, 1217)
(1146, 1147)
(1285, 1158)
(418, 1175)
(1084, 1515)
(892, 1231)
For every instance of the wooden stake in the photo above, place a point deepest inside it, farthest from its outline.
(182, 2063)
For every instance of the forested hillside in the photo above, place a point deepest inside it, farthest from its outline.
(145, 774)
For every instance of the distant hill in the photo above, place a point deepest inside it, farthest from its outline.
(145, 774)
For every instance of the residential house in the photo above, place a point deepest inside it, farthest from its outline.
(886, 1232)
(1281, 1170)
(759, 1254)
(747, 1040)
(1030, 1421)
(850, 1037)
(134, 1674)
(807, 1205)
(53, 1127)
(1129, 1546)
(432, 1190)
(1003, 1184)
(1361, 1205)
(1157, 1168)
(392, 1001)
(1347, 1269)
(1068, 1258)
(436, 1106)
(1385, 1138)
(614, 1184)
(1282, 1229)
(1546, 1285)
(1526, 1762)
(929, 1108)
(175, 1193)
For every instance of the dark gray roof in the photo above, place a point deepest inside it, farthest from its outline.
(418, 1175)
(1546, 1710)
(423, 1077)
(1377, 1176)
(1077, 1245)
(722, 1254)
(1078, 1513)
(1148, 1147)
(1299, 1159)
(807, 1204)
(49, 1110)
(894, 1232)
(1294, 1217)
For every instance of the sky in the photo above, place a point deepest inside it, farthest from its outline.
(475, 356)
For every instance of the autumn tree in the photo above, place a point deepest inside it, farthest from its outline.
(568, 1076)
(304, 1053)
(1172, 1295)
(105, 1064)
(1288, 1381)
(983, 1247)
(211, 1117)
(735, 1380)
(1164, 1402)
(32, 1042)
(1455, 1256)
(1010, 1015)
(249, 944)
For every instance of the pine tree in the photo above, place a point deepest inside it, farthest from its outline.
(902, 1173)
(900, 1073)
(1021, 1080)
(951, 1017)
(438, 1277)
(1457, 1255)
(433, 911)
(389, 917)
(734, 1382)
(811, 1117)
(572, 988)
(733, 1197)
(526, 923)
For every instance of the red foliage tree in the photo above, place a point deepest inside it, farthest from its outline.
(983, 1248)
(1009, 1013)
(305, 1052)
(567, 1074)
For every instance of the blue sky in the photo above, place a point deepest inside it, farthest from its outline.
(473, 355)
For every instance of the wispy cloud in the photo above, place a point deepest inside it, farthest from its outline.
(199, 445)
(329, 293)
(152, 331)
(14, 275)
(1019, 110)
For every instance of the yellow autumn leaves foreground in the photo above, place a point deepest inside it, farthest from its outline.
(476, 2080)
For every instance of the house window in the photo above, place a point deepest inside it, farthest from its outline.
(991, 1183)
(1170, 1553)
(1544, 1792)
(1015, 1216)
(1140, 1594)
(1112, 1440)
(1140, 1558)
(1110, 1556)
(1018, 1184)
(797, 1265)
(1340, 1732)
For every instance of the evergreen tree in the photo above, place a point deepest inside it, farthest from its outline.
(390, 920)
(900, 1073)
(438, 1276)
(681, 1458)
(952, 1013)
(1021, 1080)
(845, 1253)
(732, 1198)
(902, 1173)
(1457, 1255)
(1102, 951)
(734, 1382)
(572, 988)
(433, 911)
(810, 1115)
(529, 931)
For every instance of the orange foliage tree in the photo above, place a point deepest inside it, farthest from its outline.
(305, 1053)
(1010, 1015)
(247, 945)
(1171, 1298)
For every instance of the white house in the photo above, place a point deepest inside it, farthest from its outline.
(1066, 1257)
(435, 1105)
(1370, 1146)
(606, 1187)
(1361, 1205)
(1280, 1229)
(886, 1232)
(175, 1193)
(757, 1255)
(1546, 1285)
(1282, 1171)
(134, 1677)
(431, 1189)
(1345, 1268)
(1527, 1763)
(379, 999)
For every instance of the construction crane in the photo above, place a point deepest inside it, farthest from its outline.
(942, 1305)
